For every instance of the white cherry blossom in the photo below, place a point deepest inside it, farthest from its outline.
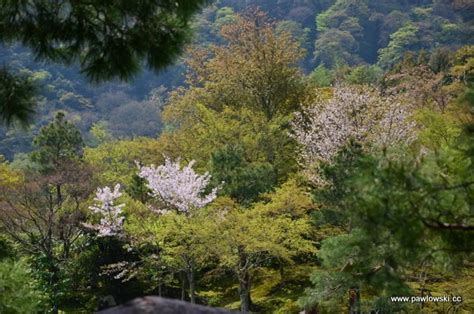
(111, 221)
(177, 188)
(361, 113)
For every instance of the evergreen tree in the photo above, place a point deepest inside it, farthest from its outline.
(57, 143)
(241, 180)
(108, 39)
(16, 98)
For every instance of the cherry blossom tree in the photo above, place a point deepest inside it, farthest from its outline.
(180, 190)
(177, 188)
(395, 126)
(111, 222)
(358, 113)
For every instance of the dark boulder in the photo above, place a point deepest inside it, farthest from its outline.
(157, 305)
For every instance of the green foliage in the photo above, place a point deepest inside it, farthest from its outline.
(22, 161)
(100, 133)
(290, 199)
(321, 76)
(107, 41)
(365, 75)
(224, 16)
(277, 292)
(347, 262)
(402, 40)
(20, 292)
(241, 180)
(439, 130)
(6, 249)
(336, 46)
(297, 30)
(243, 90)
(118, 35)
(440, 60)
(56, 143)
(242, 245)
(135, 119)
(16, 98)
(369, 197)
(8, 176)
(357, 31)
(138, 189)
(115, 160)
(431, 198)
(256, 69)
(225, 234)
(340, 10)
(381, 221)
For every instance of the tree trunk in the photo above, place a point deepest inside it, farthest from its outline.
(59, 197)
(243, 275)
(281, 269)
(183, 288)
(53, 281)
(244, 293)
(354, 300)
(192, 285)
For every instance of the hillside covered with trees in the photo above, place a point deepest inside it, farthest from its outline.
(261, 156)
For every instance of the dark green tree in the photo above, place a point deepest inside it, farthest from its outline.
(21, 293)
(138, 189)
(431, 198)
(43, 214)
(240, 179)
(109, 39)
(16, 98)
(56, 143)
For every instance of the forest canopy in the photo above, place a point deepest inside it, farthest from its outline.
(290, 156)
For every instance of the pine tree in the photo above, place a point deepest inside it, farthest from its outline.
(56, 143)
(109, 39)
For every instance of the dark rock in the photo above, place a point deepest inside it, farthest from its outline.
(157, 305)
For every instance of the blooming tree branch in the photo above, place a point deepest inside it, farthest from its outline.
(324, 128)
(176, 188)
(111, 222)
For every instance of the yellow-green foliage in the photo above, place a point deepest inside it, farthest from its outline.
(271, 292)
(277, 294)
(386, 218)
(114, 162)
(258, 233)
(40, 76)
(260, 139)
(289, 199)
(215, 129)
(8, 176)
(437, 129)
(219, 234)
(451, 284)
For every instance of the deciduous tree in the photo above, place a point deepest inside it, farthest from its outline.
(243, 245)
(178, 189)
(111, 217)
(361, 114)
